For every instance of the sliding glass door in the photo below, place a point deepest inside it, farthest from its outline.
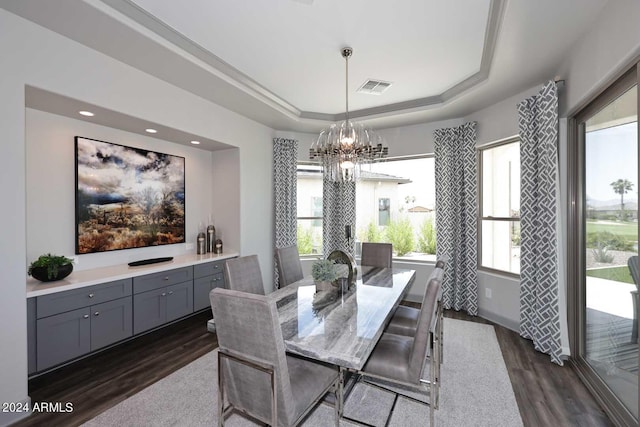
(607, 223)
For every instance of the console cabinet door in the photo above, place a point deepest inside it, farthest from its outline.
(179, 300)
(201, 289)
(62, 337)
(111, 322)
(31, 335)
(149, 310)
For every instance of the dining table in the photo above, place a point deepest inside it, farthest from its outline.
(341, 326)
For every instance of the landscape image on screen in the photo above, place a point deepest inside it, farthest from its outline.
(127, 197)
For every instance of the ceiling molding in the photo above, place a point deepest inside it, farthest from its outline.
(224, 70)
(245, 83)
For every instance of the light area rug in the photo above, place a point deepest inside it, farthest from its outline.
(476, 391)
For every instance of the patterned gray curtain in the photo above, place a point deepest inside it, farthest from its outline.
(338, 210)
(285, 165)
(457, 215)
(539, 310)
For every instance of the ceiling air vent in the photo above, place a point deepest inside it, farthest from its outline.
(374, 87)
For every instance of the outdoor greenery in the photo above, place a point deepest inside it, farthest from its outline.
(305, 240)
(601, 254)
(617, 274)
(622, 187)
(427, 237)
(372, 234)
(400, 234)
(609, 240)
(623, 229)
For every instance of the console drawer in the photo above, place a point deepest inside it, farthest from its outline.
(160, 280)
(60, 302)
(208, 269)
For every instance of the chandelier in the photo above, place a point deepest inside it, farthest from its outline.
(343, 148)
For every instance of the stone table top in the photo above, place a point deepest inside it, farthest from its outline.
(336, 327)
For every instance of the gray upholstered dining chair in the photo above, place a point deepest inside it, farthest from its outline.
(255, 376)
(289, 267)
(376, 254)
(402, 360)
(243, 274)
(405, 319)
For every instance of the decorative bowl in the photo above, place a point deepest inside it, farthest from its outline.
(41, 273)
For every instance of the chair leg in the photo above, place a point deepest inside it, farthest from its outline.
(440, 330)
(436, 362)
(336, 406)
(220, 393)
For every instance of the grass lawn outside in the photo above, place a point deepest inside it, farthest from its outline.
(628, 230)
(617, 274)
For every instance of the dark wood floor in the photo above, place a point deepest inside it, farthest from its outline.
(547, 394)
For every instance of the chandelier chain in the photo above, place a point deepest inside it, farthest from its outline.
(343, 148)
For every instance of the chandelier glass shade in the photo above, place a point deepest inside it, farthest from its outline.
(343, 148)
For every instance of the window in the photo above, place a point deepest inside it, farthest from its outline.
(395, 203)
(309, 206)
(384, 211)
(499, 231)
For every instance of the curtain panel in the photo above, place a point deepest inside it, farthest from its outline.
(285, 165)
(338, 210)
(539, 262)
(456, 174)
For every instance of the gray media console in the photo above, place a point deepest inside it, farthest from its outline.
(66, 325)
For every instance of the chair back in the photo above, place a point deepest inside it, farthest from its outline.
(632, 262)
(377, 254)
(289, 267)
(426, 326)
(248, 327)
(243, 274)
(441, 263)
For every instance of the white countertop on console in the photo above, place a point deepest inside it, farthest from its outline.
(94, 276)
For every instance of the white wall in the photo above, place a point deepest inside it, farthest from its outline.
(611, 43)
(32, 55)
(51, 184)
(500, 120)
(226, 197)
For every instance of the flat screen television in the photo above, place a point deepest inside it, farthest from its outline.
(127, 197)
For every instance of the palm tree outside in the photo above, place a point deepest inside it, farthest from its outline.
(622, 187)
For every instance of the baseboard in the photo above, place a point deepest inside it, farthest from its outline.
(500, 320)
(11, 415)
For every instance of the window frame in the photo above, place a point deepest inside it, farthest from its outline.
(481, 217)
(404, 259)
(308, 218)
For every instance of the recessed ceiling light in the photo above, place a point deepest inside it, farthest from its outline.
(86, 113)
(150, 130)
(195, 142)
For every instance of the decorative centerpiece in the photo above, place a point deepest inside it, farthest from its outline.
(346, 263)
(324, 274)
(48, 268)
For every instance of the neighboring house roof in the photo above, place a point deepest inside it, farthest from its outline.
(364, 176)
(419, 209)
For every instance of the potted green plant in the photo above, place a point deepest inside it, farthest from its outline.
(48, 267)
(324, 274)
